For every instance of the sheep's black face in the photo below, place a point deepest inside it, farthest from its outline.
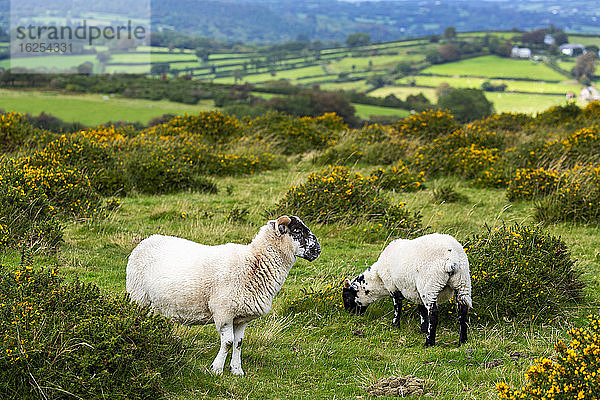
(306, 243)
(349, 295)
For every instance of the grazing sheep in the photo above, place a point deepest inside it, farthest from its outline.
(230, 284)
(427, 270)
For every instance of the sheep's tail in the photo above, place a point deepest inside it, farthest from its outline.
(457, 267)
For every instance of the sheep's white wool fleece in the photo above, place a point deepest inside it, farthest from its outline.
(194, 283)
(421, 267)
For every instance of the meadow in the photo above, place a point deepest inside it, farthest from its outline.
(91, 109)
(309, 346)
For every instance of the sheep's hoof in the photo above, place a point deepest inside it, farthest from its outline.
(237, 371)
(427, 344)
(216, 370)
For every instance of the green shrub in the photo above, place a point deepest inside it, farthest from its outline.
(337, 195)
(372, 144)
(62, 338)
(14, 130)
(297, 134)
(26, 214)
(447, 194)
(208, 126)
(428, 125)
(559, 115)
(398, 177)
(96, 152)
(577, 198)
(159, 170)
(520, 273)
(573, 374)
(527, 184)
(506, 121)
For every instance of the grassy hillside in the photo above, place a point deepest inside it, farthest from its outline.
(309, 346)
(93, 109)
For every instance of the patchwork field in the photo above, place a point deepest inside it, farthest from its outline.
(93, 109)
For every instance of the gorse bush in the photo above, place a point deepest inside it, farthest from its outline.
(60, 338)
(470, 152)
(576, 199)
(372, 144)
(506, 121)
(96, 152)
(297, 134)
(155, 169)
(208, 126)
(527, 184)
(574, 374)
(398, 177)
(521, 272)
(427, 125)
(27, 215)
(336, 194)
(14, 130)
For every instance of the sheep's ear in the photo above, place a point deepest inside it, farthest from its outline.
(280, 226)
(346, 283)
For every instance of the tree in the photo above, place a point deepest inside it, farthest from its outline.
(158, 69)
(358, 39)
(534, 37)
(466, 104)
(202, 54)
(585, 66)
(448, 52)
(450, 33)
(85, 68)
(560, 37)
(443, 89)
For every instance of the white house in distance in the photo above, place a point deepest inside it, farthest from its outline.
(571, 49)
(589, 94)
(520, 52)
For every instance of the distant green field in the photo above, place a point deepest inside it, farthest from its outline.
(365, 111)
(511, 85)
(524, 103)
(49, 63)
(288, 74)
(585, 40)
(402, 91)
(357, 86)
(362, 63)
(514, 102)
(92, 109)
(496, 67)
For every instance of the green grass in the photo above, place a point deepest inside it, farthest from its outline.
(49, 63)
(511, 85)
(524, 103)
(362, 63)
(365, 111)
(92, 109)
(292, 75)
(585, 40)
(335, 355)
(496, 67)
(509, 102)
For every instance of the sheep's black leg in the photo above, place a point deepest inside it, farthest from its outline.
(433, 320)
(462, 320)
(397, 296)
(424, 318)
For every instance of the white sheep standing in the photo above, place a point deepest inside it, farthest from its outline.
(230, 284)
(427, 270)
